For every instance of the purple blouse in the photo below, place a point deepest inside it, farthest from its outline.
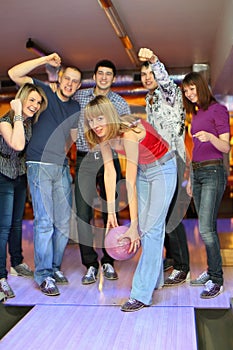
(214, 120)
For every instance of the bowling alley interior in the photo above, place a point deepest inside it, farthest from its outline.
(89, 316)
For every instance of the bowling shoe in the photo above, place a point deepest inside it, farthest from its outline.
(176, 278)
(132, 305)
(91, 276)
(109, 272)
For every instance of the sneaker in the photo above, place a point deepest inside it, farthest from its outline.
(91, 276)
(200, 280)
(211, 290)
(132, 305)
(176, 277)
(167, 264)
(6, 289)
(21, 270)
(109, 272)
(48, 287)
(60, 278)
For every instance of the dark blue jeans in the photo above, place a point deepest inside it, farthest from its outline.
(208, 184)
(175, 238)
(12, 202)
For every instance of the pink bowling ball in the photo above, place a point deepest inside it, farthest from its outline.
(118, 250)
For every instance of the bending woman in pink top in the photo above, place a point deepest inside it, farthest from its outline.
(150, 182)
(210, 131)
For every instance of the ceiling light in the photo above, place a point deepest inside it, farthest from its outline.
(119, 29)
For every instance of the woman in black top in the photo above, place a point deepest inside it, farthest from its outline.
(15, 133)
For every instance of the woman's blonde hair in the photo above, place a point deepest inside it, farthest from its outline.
(23, 93)
(116, 125)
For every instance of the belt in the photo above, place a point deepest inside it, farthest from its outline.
(91, 155)
(197, 165)
(160, 161)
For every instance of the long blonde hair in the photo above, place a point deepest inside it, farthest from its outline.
(23, 93)
(116, 125)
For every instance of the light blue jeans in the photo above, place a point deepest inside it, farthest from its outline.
(156, 186)
(50, 187)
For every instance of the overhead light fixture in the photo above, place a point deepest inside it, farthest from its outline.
(202, 68)
(113, 17)
(120, 31)
(32, 46)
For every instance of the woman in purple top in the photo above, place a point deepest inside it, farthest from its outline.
(210, 130)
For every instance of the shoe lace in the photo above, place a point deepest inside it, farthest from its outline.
(174, 274)
(202, 275)
(209, 285)
(90, 272)
(50, 282)
(26, 266)
(59, 274)
(5, 286)
(109, 268)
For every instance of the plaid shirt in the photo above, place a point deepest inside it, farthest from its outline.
(84, 96)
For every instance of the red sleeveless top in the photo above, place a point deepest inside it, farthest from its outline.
(152, 147)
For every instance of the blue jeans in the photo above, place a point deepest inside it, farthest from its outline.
(208, 184)
(50, 187)
(12, 202)
(155, 187)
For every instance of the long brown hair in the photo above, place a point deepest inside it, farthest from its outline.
(204, 94)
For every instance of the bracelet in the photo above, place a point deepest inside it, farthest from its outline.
(18, 118)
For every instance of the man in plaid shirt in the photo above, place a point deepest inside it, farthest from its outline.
(90, 174)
